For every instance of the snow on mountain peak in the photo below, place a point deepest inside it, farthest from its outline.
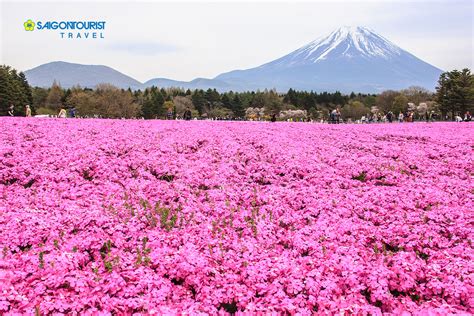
(351, 58)
(345, 42)
(354, 40)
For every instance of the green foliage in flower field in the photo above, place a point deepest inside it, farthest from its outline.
(14, 90)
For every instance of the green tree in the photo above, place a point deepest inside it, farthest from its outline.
(14, 90)
(220, 112)
(28, 96)
(455, 92)
(354, 110)
(153, 105)
(226, 101)
(5, 97)
(369, 100)
(199, 101)
(181, 104)
(308, 102)
(55, 97)
(417, 95)
(237, 106)
(385, 100)
(273, 103)
(291, 97)
(400, 104)
(39, 101)
(115, 103)
(212, 96)
(268, 100)
(168, 106)
(84, 102)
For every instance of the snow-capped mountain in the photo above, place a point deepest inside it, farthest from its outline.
(348, 59)
(345, 42)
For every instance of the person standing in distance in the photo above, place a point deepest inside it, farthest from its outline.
(187, 114)
(27, 110)
(11, 110)
(62, 113)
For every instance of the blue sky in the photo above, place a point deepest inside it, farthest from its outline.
(185, 40)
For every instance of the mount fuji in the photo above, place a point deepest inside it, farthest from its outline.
(349, 59)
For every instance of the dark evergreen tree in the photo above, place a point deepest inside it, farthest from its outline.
(212, 96)
(199, 101)
(455, 92)
(291, 97)
(14, 90)
(164, 94)
(26, 88)
(226, 102)
(308, 102)
(153, 105)
(237, 107)
(5, 98)
(66, 95)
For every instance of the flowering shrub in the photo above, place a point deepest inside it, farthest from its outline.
(165, 217)
(293, 114)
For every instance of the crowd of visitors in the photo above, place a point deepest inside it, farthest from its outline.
(335, 116)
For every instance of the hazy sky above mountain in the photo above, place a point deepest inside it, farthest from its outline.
(185, 40)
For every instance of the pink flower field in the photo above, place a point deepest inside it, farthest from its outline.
(172, 217)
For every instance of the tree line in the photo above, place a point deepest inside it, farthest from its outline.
(15, 91)
(454, 95)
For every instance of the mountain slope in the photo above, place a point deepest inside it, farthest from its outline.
(198, 83)
(69, 74)
(349, 59)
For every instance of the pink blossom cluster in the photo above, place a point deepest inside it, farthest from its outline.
(168, 217)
